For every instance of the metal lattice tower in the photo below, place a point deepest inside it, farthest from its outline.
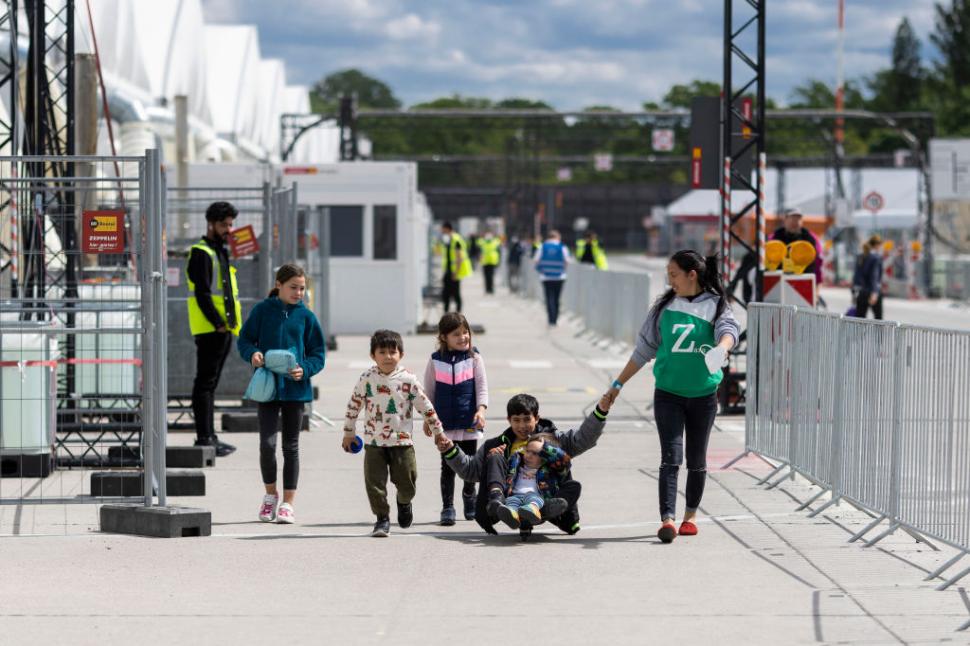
(739, 195)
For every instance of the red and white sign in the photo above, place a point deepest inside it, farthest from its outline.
(103, 232)
(243, 242)
(662, 139)
(873, 202)
(695, 168)
(790, 289)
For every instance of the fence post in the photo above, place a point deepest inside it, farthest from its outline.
(158, 254)
(148, 414)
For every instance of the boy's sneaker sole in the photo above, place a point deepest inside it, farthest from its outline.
(508, 516)
(527, 515)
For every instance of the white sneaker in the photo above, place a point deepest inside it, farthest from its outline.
(285, 514)
(267, 512)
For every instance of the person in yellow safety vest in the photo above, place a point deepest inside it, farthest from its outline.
(589, 251)
(215, 316)
(457, 265)
(491, 252)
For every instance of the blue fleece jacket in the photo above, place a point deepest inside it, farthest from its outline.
(274, 325)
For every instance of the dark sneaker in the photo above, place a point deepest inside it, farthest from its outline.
(509, 516)
(382, 527)
(667, 533)
(448, 516)
(405, 515)
(554, 508)
(495, 500)
(223, 449)
(469, 502)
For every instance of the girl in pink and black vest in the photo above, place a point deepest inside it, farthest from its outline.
(455, 382)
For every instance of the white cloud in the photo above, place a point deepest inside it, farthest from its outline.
(411, 26)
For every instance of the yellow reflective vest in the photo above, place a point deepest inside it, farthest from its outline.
(464, 269)
(198, 323)
(490, 251)
(599, 258)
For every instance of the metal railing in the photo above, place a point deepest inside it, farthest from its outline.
(611, 304)
(875, 413)
(82, 328)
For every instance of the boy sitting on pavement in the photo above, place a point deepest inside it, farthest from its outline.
(535, 472)
(489, 465)
(389, 394)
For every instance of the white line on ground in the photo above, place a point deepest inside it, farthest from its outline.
(527, 364)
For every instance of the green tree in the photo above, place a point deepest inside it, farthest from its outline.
(679, 96)
(370, 92)
(900, 87)
(950, 82)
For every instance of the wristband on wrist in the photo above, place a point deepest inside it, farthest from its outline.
(616, 384)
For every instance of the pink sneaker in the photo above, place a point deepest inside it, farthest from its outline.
(267, 512)
(285, 514)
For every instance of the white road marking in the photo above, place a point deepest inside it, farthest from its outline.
(529, 365)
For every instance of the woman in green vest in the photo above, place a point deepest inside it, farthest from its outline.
(689, 331)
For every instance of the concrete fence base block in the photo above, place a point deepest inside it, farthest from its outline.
(249, 423)
(178, 482)
(190, 457)
(161, 522)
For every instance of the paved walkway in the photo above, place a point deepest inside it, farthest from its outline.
(759, 572)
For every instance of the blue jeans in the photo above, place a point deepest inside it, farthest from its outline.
(553, 290)
(522, 499)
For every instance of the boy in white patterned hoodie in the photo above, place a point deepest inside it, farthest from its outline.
(389, 394)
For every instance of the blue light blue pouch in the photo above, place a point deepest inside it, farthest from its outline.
(262, 387)
(280, 361)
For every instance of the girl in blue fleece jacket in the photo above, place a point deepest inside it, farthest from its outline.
(281, 322)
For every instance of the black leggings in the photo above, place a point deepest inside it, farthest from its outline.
(269, 414)
(676, 417)
(469, 447)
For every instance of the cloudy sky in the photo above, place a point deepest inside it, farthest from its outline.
(569, 53)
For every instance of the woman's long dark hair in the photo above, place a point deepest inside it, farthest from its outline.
(708, 279)
(284, 273)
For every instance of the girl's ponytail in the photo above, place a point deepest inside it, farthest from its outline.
(711, 282)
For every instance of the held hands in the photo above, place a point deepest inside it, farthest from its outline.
(606, 400)
(443, 443)
(257, 360)
(347, 443)
(715, 358)
(427, 429)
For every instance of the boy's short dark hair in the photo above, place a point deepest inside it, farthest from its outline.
(522, 404)
(388, 339)
(219, 211)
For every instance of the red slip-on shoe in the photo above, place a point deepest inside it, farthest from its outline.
(687, 528)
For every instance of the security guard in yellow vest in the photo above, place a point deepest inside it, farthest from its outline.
(457, 265)
(491, 251)
(589, 251)
(215, 316)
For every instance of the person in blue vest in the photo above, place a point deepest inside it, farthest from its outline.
(550, 260)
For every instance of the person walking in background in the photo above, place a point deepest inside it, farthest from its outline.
(550, 261)
(455, 382)
(589, 251)
(388, 394)
(516, 249)
(456, 264)
(282, 323)
(867, 279)
(215, 316)
(689, 331)
(490, 248)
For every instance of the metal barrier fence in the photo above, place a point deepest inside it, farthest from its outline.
(612, 304)
(875, 413)
(82, 326)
